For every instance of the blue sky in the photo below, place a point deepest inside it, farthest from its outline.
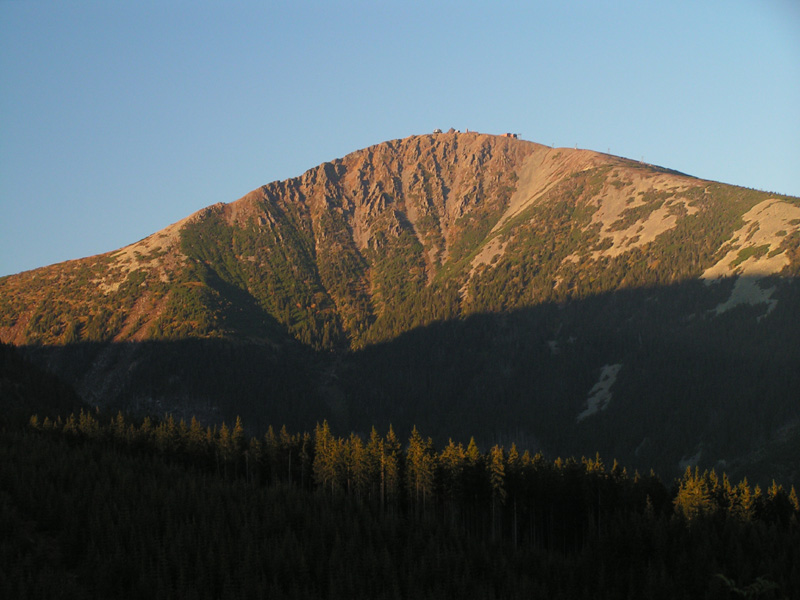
(119, 118)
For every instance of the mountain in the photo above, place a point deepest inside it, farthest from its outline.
(470, 284)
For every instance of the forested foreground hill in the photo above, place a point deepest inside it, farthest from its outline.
(175, 510)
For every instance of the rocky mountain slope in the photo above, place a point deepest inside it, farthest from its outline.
(468, 283)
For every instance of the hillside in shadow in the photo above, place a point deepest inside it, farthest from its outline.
(27, 389)
(654, 377)
(688, 386)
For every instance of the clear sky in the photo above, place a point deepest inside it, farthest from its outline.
(118, 118)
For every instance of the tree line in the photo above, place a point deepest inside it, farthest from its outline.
(161, 508)
(497, 494)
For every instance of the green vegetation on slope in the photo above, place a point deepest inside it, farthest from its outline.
(424, 210)
(276, 275)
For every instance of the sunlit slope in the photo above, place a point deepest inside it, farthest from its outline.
(406, 233)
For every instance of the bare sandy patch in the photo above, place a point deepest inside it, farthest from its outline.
(613, 203)
(626, 188)
(616, 199)
(771, 217)
(765, 226)
(542, 170)
(157, 242)
(748, 291)
(150, 253)
(600, 394)
(489, 252)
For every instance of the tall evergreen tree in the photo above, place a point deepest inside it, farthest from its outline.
(694, 497)
(497, 481)
(392, 469)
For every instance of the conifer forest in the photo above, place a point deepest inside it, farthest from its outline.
(96, 507)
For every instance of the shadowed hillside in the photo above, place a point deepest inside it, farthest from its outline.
(650, 376)
(26, 388)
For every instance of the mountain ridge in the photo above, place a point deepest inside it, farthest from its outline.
(439, 189)
(320, 274)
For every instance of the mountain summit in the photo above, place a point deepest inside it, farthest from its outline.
(468, 283)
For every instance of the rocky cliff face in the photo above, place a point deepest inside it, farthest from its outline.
(521, 273)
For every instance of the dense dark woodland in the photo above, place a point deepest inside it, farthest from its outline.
(162, 508)
(26, 389)
(93, 508)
